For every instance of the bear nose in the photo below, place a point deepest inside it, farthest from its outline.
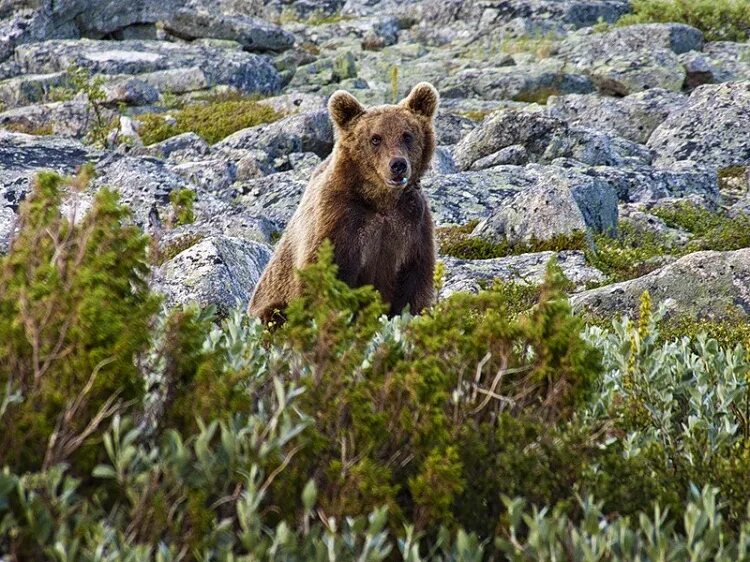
(398, 166)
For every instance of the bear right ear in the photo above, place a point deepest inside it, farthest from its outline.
(343, 108)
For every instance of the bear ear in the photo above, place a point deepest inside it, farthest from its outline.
(343, 108)
(422, 100)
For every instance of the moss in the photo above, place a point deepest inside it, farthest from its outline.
(712, 230)
(630, 254)
(728, 332)
(476, 114)
(39, 130)
(182, 201)
(212, 120)
(455, 241)
(316, 18)
(175, 247)
(540, 95)
(720, 20)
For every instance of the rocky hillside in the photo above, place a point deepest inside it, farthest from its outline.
(621, 150)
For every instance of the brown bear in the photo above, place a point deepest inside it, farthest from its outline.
(366, 199)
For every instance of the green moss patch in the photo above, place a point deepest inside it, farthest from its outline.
(720, 20)
(212, 120)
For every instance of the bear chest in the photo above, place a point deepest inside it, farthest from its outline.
(387, 241)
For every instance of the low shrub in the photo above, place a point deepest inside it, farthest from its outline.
(720, 20)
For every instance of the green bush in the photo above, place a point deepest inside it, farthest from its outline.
(212, 120)
(74, 311)
(720, 20)
(493, 426)
(455, 241)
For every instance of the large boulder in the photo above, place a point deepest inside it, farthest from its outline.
(631, 59)
(555, 206)
(709, 284)
(545, 139)
(711, 129)
(252, 33)
(69, 119)
(220, 271)
(633, 117)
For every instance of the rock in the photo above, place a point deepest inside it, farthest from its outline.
(527, 83)
(220, 271)
(642, 184)
(130, 91)
(295, 102)
(215, 176)
(729, 61)
(451, 128)
(179, 148)
(275, 196)
(647, 224)
(7, 228)
(710, 129)
(176, 81)
(514, 154)
(490, 15)
(633, 58)
(304, 132)
(69, 119)
(698, 69)
(554, 206)
(23, 156)
(633, 117)
(252, 33)
(33, 88)
(145, 185)
(526, 269)
(709, 284)
(544, 139)
(247, 72)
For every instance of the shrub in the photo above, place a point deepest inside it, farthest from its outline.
(712, 230)
(455, 241)
(213, 120)
(720, 20)
(74, 310)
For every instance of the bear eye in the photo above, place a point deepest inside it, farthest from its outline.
(408, 138)
(376, 140)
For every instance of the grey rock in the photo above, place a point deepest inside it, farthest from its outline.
(642, 184)
(220, 271)
(215, 176)
(642, 222)
(710, 284)
(527, 83)
(247, 72)
(490, 15)
(515, 154)
(526, 269)
(710, 130)
(451, 128)
(180, 148)
(545, 139)
(276, 195)
(729, 61)
(633, 58)
(33, 88)
(304, 132)
(130, 91)
(295, 102)
(555, 206)
(69, 119)
(176, 81)
(699, 69)
(23, 156)
(7, 228)
(442, 162)
(633, 117)
(252, 33)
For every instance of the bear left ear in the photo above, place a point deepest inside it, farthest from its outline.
(422, 100)
(343, 108)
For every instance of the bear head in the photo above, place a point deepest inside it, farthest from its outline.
(389, 146)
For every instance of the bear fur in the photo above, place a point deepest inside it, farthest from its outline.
(366, 199)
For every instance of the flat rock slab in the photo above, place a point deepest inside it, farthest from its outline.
(248, 72)
(712, 285)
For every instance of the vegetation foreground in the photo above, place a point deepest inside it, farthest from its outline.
(480, 430)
